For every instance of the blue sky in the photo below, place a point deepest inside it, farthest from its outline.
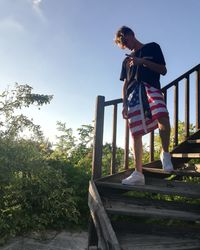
(65, 48)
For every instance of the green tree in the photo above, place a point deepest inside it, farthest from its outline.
(12, 100)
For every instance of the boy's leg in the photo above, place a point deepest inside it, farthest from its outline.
(137, 152)
(136, 178)
(164, 130)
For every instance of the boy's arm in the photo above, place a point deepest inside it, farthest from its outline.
(159, 68)
(125, 108)
(124, 93)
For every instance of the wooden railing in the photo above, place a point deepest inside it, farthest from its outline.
(99, 121)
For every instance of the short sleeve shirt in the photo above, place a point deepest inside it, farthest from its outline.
(152, 52)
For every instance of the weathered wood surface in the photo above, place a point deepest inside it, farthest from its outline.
(185, 170)
(106, 236)
(194, 141)
(194, 171)
(158, 186)
(185, 147)
(125, 208)
(134, 235)
(186, 155)
(98, 138)
(156, 242)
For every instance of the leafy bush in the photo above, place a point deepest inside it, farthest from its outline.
(35, 194)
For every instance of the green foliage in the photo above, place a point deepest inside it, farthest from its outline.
(40, 187)
(11, 101)
(34, 195)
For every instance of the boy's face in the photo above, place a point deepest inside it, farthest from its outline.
(128, 42)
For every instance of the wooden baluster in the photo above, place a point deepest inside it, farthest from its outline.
(126, 149)
(151, 158)
(176, 114)
(198, 99)
(113, 159)
(187, 106)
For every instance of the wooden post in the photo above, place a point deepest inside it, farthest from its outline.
(97, 161)
(113, 159)
(98, 138)
(198, 99)
(126, 149)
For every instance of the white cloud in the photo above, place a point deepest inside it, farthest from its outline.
(36, 3)
(9, 23)
(37, 7)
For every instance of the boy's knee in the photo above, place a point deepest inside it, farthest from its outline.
(164, 121)
(137, 138)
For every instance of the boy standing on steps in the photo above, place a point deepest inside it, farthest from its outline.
(143, 102)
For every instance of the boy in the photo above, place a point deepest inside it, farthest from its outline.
(143, 102)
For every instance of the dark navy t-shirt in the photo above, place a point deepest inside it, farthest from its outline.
(152, 52)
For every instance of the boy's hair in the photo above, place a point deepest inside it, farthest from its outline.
(121, 33)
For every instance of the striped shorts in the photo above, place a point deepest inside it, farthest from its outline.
(139, 122)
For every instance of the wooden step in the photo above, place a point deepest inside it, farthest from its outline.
(159, 186)
(185, 155)
(179, 172)
(141, 241)
(148, 236)
(125, 208)
(194, 141)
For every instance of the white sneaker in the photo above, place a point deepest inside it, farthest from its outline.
(165, 158)
(136, 178)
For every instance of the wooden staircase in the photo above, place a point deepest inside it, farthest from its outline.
(162, 214)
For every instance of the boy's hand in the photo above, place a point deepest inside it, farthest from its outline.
(135, 61)
(125, 112)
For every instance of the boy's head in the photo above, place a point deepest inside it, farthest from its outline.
(122, 35)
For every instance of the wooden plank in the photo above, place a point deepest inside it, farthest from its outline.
(158, 186)
(124, 208)
(187, 106)
(106, 235)
(178, 172)
(194, 141)
(114, 137)
(151, 147)
(198, 98)
(130, 241)
(192, 170)
(152, 200)
(126, 146)
(185, 155)
(176, 112)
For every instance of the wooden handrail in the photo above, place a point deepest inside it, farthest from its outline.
(99, 121)
(196, 68)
